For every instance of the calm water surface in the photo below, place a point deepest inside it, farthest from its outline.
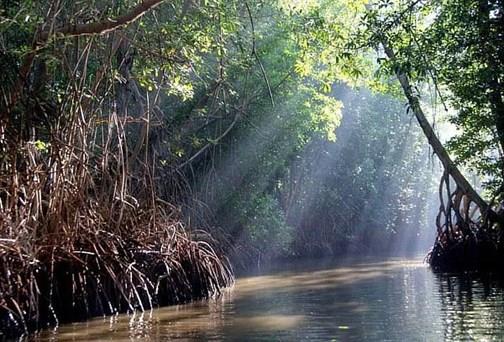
(392, 300)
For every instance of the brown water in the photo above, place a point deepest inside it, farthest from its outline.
(394, 300)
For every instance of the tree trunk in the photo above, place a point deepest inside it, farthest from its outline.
(434, 141)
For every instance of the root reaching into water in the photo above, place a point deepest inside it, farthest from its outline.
(91, 271)
(81, 236)
(83, 230)
(469, 232)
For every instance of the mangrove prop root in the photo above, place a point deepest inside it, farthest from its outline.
(83, 231)
(469, 237)
(99, 273)
(69, 250)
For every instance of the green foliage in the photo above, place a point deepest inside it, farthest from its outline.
(456, 45)
(41, 146)
(325, 112)
(367, 190)
(264, 225)
(321, 30)
(235, 106)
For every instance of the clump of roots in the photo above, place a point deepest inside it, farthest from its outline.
(74, 243)
(83, 231)
(95, 272)
(469, 237)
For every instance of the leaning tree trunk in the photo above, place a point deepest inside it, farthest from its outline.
(468, 233)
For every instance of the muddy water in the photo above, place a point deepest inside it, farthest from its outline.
(392, 300)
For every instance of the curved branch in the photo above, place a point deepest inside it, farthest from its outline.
(106, 26)
(212, 142)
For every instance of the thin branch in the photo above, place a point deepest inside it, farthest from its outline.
(432, 73)
(212, 142)
(254, 52)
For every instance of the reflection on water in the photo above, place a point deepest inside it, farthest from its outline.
(395, 300)
(472, 308)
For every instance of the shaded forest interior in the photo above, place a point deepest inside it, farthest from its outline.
(148, 148)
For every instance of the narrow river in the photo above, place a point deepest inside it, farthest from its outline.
(391, 300)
